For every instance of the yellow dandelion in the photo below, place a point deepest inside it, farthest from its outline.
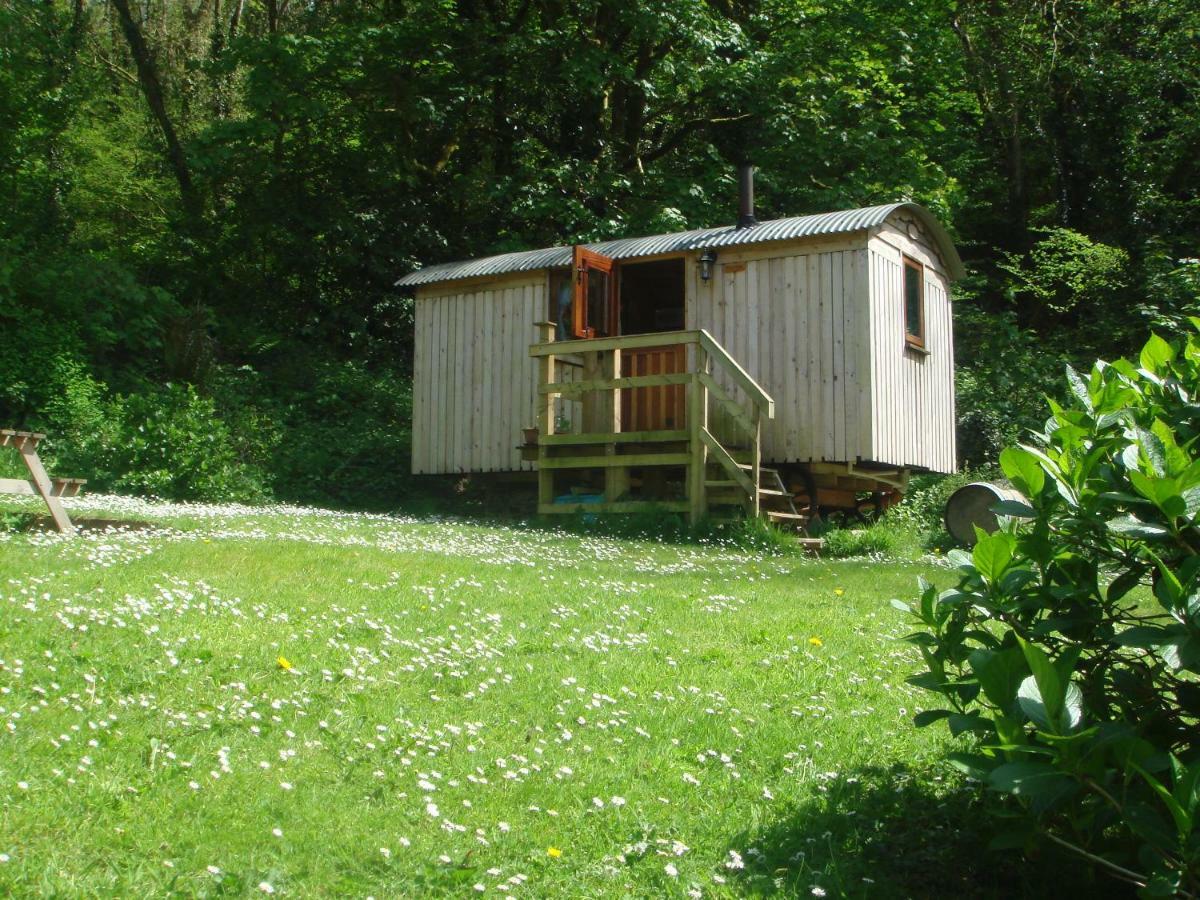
(815, 641)
(553, 852)
(837, 592)
(284, 664)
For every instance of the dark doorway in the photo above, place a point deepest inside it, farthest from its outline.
(652, 296)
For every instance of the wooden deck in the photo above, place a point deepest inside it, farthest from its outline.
(667, 402)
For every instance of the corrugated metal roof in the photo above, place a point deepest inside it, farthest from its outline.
(841, 222)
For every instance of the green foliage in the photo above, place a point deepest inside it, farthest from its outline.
(889, 538)
(922, 512)
(1066, 270)
(1070, 647)
(168, 443)
(348, 443)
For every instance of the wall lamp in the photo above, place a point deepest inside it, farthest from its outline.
(707, 260)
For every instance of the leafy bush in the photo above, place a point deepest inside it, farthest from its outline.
(165, 442)
(349, 443)
(922, 512)
(885, 538)
(1070, 647)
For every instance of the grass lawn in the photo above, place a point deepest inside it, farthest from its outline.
(315, 704)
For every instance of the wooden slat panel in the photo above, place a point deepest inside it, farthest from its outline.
(624, 437)
(605, 462)
(911, 393)
(418, 387)
(507, 424)
(626, 342)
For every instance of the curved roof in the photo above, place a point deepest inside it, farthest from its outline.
(841, 222)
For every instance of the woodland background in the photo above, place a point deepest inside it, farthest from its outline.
(204, 203)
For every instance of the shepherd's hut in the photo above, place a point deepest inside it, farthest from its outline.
(775, 368)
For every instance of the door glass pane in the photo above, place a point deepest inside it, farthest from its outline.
(597, 302)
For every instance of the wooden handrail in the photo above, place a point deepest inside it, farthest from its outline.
(728, 463)
(623, 342)
(752, 388)
(609, 384)
(702, 385)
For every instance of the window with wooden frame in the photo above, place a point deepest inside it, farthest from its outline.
(914, 303)
(594, 310)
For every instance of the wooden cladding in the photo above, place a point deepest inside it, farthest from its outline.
(912, 394)
(474, 384)
(653, 408)
(821, 326)
(798, 325)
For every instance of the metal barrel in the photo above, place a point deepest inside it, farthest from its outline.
(972, 504)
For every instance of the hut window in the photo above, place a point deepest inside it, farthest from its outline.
(914, 303)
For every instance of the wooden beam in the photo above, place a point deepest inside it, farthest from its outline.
(42, 482)
(17, 486)
(733, 409)
(752, 388)
(721, 455)
(545, 410)
(625, 342)
(604, 462)
(620, 437)
(697, 422)
(608, 384)
(616, 478)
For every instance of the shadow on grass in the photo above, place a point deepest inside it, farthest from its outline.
(901, 832)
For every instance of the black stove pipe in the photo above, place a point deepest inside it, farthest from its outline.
(746, 196)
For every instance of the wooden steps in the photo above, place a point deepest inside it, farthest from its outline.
(618, 470)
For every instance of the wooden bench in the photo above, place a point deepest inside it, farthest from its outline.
(39, 483)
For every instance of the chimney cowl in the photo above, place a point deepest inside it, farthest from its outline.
(746, 217)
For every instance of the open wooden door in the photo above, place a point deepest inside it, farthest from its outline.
(594, 311)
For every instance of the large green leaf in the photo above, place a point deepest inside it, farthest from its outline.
(992, 554)
(1024, 470)
(1047, 696)
(1000, 673)
(1156, 355)
(1039, 782)
(1059, 717)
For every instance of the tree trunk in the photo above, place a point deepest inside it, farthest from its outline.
(153, 92)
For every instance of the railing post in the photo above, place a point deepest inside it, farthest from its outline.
(756, 459)
(545, 414)
(697, 422)
(616, 478)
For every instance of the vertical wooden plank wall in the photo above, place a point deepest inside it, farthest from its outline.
(797, 322)
(474, 383)
(912, 397)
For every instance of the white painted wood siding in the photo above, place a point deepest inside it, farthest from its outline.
(912, 401)
(819, 324)
(474, 382)
(797, 322)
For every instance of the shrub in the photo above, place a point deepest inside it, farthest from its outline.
(165, 442)
(922, 512)
(881, 539)
(348, 440)
(1070, 646)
